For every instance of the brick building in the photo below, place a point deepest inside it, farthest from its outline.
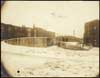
(68, 38)
(40, 32)
(91, 34)
(11, 31)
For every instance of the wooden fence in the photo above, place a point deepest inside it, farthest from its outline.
(31, 41)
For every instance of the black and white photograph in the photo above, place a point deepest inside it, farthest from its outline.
(50, 39)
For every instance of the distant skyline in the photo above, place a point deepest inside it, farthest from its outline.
(63, 17)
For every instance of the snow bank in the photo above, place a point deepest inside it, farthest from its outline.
(49, 62)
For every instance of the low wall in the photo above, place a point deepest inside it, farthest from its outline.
(31, 41)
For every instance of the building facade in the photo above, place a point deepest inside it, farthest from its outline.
(91, 34)
(11, 31)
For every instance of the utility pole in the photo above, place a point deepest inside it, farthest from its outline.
(73, 32)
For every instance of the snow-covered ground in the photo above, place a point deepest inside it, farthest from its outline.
(49, 62)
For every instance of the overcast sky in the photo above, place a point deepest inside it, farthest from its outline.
(62, 17)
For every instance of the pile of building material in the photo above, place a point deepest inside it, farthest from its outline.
(73, 45)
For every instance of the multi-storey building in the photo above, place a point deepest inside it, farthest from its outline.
(12, 31)
(91, 34)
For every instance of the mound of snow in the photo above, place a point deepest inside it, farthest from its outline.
(49, 62)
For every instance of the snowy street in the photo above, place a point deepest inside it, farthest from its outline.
(49, 62)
